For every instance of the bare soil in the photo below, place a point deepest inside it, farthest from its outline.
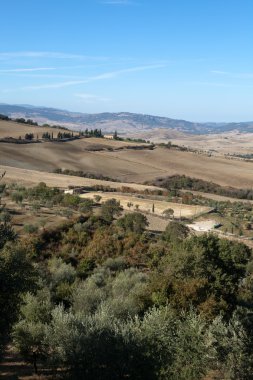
(13, 367)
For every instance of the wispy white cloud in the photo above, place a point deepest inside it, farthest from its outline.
(91, 98)
(37, 72)
(219, 84)
(24, 70)
(233, 75)
(211, 84)
(219, 72)
(104, 76)
(47, 54)
(44, 76)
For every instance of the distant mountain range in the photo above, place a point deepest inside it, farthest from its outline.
(123, 122)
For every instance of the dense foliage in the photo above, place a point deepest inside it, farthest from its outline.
(177, 182)
(92, 133)
(80, 173)
(102, 298)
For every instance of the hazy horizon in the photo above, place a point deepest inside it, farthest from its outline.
(125, 111)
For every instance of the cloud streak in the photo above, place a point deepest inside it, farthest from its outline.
(27, 70)
(104, 76)
(211, 84)
(46, 54)
(219, 84)
(233, 75)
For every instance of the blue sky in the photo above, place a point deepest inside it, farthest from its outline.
(190, 59)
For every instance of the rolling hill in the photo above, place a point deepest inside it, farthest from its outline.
(116, 159)
(125, 122)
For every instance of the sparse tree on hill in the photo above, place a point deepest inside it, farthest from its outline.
(17, 197)
(110, 209)
(129, 205)
(134, 222)
(29, 136)
(97, 198)
(168, 213)
(46, 136)
(30, 228)
(175, 232)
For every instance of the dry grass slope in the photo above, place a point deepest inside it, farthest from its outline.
(136, 166)
(33, 177)
(12, 129)
(146, 205)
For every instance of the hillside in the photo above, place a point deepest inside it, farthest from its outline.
(127, 162)
(124, 122)
(16, 130)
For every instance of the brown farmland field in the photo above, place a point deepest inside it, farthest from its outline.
(145, 205)
(164, 162)
(219, 144)
(127, 165)
(12, 129)
(216, 143)
(33, 177)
